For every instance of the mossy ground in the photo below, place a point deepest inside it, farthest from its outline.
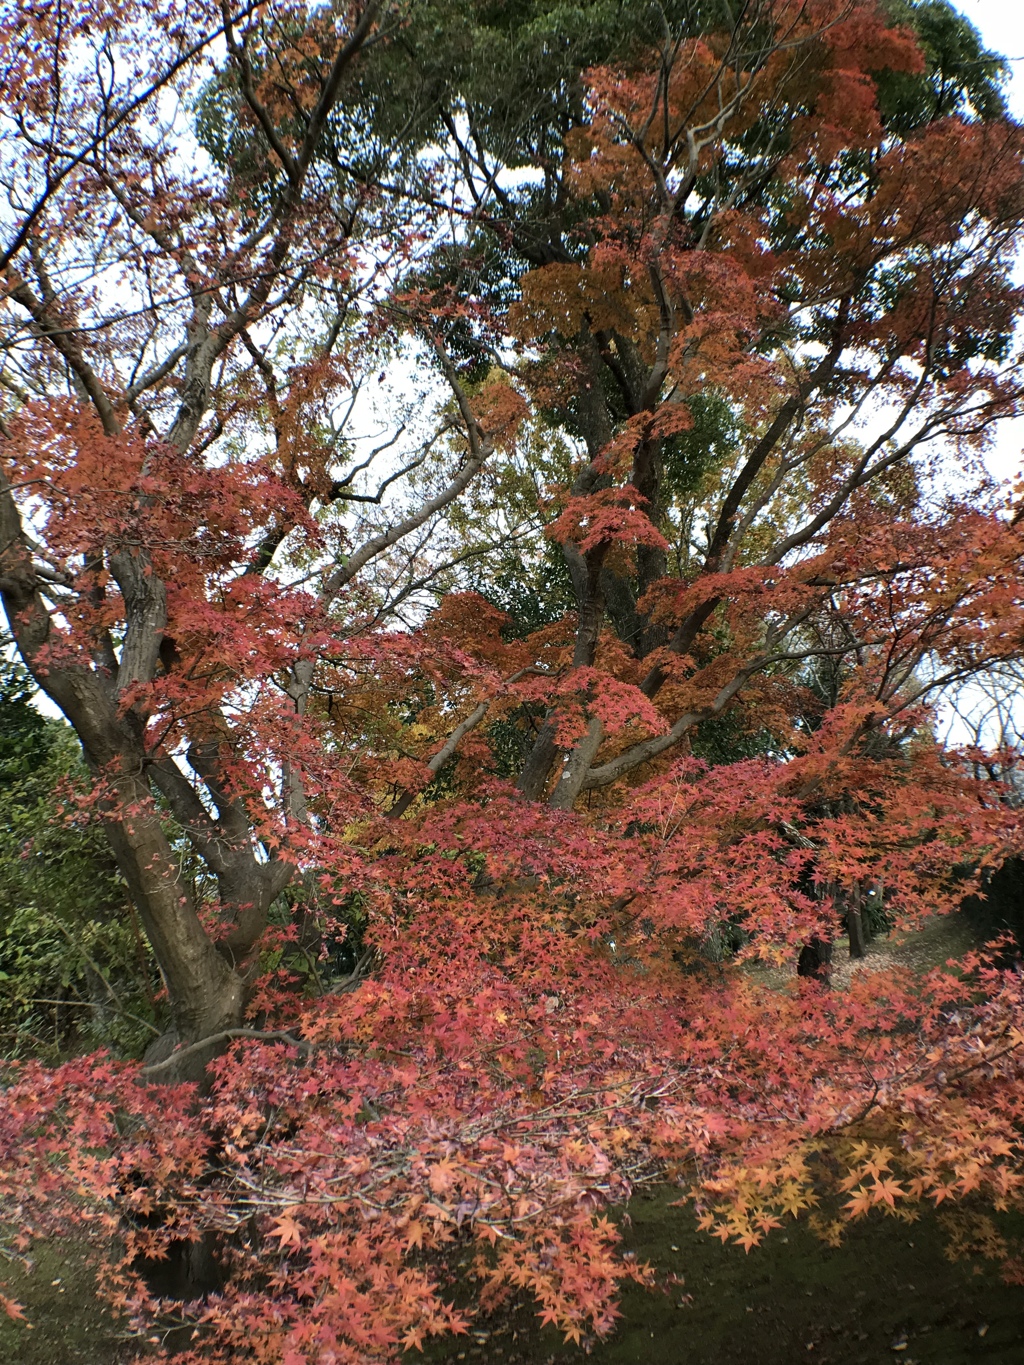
(887, 1294)
(67, 1322)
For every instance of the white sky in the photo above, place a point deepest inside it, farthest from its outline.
(1001, 25)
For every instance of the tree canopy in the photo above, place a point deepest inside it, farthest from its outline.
(498, 493)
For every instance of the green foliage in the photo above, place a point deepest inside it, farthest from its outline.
(728, 738)
(74, 972)
(692, 454)
(961, 77)
(532, 593)
(511, 67)
(877, 918)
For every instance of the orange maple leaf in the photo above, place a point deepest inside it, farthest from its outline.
(288, 1231)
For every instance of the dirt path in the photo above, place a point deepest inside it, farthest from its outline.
(937, 940)
(921, 949)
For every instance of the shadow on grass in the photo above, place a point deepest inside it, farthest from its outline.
(888, 1294)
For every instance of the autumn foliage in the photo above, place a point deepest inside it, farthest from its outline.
(738, 389)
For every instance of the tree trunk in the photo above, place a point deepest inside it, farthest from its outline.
(205, 994)
(855, 922)
(539, 762)
(815, 961)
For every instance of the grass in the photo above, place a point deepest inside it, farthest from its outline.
(68, 1324)
(887, 1294)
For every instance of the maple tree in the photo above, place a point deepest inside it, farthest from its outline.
(689, 473)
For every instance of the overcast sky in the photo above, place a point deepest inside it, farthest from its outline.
(1001, 24)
